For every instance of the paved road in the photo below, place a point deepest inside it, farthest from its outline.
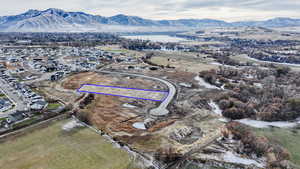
(161, 110)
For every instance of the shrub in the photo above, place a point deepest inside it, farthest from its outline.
(234, 113)
(225, 104)
(83, 116)
(294, 104)
(261, 146)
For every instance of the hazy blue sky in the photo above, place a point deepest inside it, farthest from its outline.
(230, 10)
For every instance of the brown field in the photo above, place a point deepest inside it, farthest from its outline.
(183, 65)
(75, 81)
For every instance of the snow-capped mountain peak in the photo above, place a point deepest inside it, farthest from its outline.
(53, 19)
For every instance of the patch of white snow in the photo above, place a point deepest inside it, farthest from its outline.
(216, 109)
(264, 124)
(71, 125)
(139, 125)
(202, 82)
(232, 158)
(127, 105)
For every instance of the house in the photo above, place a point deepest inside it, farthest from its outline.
(92, 59)
(50, 68)
(5, 104)
(38, 105)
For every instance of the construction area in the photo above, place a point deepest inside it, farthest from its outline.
(124, 92)
(129, 120)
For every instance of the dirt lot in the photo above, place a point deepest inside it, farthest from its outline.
(75, 81)
(153, 95)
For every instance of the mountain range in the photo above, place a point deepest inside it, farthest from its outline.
(56, 20)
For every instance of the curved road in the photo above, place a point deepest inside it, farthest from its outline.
(161, 110)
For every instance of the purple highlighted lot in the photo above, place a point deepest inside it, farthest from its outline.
(134, 93)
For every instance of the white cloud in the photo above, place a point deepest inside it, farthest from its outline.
(230, 10)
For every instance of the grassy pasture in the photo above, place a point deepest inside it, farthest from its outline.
(54, 148)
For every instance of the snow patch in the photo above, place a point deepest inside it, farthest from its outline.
(223, 87)
(232, 158)
(216, 109)
(224, 120)
(202, 82)
(264, 124)
(139, 125)
(259, 85)
(185, 85)
(127, 105)
(71, 125)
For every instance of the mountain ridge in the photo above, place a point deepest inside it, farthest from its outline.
(53, 19)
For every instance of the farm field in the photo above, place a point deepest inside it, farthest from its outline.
(54, 148)
(188, 62)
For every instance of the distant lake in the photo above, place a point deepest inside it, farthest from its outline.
(156, 38)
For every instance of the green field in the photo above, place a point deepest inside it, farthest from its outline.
(54, 148)
(288, 138)
(53, 106)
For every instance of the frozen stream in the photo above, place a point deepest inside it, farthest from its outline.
(216, 109)
(265, 124)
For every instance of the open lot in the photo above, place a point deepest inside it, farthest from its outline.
(124, 92)
(55, 148)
